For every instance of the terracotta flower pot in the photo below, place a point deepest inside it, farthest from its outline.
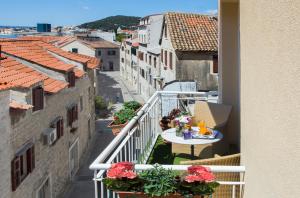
(142, 195)
(116, 128)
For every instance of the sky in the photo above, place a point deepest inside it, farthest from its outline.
(75, 12)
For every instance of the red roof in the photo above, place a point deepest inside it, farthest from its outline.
(20, 75)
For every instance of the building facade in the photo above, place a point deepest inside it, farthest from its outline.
(189, 49)
(48, 117)
(173, 47)
(108, 52)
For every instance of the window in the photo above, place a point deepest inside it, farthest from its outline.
(44, 190)
(146, 58)
(122, 60)
(71, 79)
(72, 115)
(22, 165)
(143, 73)
(75, 50)
(166, 58)
(111, 52)
(150, 60)
(215, 64)
(99, 52)
(141, 56)
(38, 98)
(154, 60)
(60, 128)
(162, 55)
(111, 66)
(122, 48)
(171, 60)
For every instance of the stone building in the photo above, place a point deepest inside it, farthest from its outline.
(47, 116)
(189, 49)
(108, 52)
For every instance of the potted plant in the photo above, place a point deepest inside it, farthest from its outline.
(198, 182)
(122, 116)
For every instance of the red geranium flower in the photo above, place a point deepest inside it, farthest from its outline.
(196, 169)
(123, 165)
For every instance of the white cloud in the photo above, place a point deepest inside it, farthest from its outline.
(85, 7)
(212, 12)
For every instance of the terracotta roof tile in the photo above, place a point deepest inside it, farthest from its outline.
(20, 75)
(31, 51)
(192, 32)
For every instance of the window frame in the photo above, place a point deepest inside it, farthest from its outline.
(37, 98)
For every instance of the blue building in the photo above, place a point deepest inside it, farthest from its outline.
(43, 27)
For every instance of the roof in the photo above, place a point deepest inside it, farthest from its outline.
(99, 44)
(20, 75)
(31, 51)
(192, 32)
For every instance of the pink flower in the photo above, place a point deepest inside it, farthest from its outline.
(208, 177)
(192, 178)
(123, 165)
(199, 174)
(129, 174)
(121, 170)
(196, 169)
(114, 173)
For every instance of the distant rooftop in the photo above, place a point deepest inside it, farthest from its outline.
(192, 32)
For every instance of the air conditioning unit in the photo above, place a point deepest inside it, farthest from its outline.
(50, 136)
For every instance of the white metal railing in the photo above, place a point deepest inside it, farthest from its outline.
(137, 139)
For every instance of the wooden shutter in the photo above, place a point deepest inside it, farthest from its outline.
(41, 97)
(171, 60)
(15, 173)
(61, 127)
(38, 98)
(30, 158)
(71, 79)
(166, 58)
(70, 117)
(215, 64)
(162, 55)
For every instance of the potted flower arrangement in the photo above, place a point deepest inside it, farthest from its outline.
(197, 182)
(180, 122)
(122, 116)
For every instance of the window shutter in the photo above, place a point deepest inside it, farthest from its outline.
(32, 158)
(71, 79)
(70, 115)
(41, 97)
(35, 100)
(58, 129)
(215, 64)
(162, 55)
(29, 160)
(61, 127)
(171, 60)
(166, 58)
(15, 173)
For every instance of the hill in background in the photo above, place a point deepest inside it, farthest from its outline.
(113, 22)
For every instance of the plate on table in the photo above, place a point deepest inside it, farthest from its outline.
(196, 135)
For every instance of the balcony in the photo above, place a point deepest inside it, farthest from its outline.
(137, 140)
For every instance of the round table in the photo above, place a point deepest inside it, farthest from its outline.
(170, 136)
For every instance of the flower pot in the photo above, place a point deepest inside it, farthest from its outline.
(116, 128)
(142, 195)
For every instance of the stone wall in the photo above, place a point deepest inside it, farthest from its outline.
(5, 185)
(53, 160)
